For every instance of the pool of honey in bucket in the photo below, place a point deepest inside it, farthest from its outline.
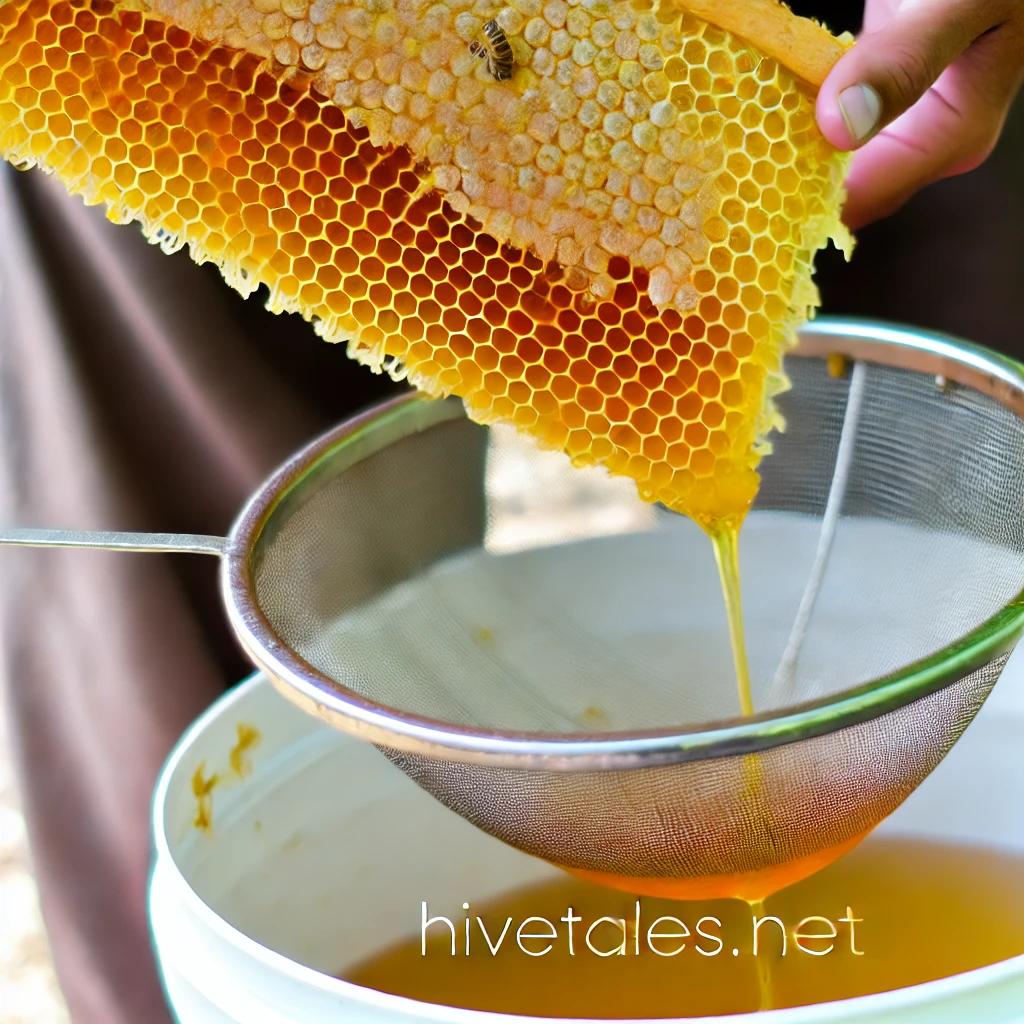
(922, 911)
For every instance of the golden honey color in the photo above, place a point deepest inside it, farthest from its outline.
(920, 912)
(610, 250)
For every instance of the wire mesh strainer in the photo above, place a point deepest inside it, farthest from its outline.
(549, 656)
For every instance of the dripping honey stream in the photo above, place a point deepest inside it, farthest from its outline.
(725, 538)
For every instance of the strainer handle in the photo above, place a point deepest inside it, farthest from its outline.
(194, 543)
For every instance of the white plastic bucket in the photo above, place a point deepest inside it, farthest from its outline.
(307, 869)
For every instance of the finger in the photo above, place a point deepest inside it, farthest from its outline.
(877, 14)
(890, 69)
(952, 129)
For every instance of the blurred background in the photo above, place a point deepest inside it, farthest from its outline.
(952, 260)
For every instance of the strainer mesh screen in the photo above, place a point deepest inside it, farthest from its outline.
(460, 575)
(721, 816)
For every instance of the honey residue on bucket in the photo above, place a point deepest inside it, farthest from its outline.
(202, 789)
(237, 768)
(248, 737)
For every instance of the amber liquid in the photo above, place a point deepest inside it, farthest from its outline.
(725, 542)
(754, 885)
(921, 912)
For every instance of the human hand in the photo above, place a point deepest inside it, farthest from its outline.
(922, 96)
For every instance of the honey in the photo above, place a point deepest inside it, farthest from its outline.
(892, 913)
(725, 539)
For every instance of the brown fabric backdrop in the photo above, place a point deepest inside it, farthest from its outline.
(136, 392)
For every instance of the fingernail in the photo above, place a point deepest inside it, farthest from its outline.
(861, 108)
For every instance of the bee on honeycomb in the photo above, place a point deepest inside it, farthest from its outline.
(611, 249)
(496, 50)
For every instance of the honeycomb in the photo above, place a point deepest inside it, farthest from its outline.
(610, 250)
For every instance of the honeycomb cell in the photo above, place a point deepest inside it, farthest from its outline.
(610, 249)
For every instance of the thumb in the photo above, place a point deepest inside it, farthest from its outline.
(889, 70)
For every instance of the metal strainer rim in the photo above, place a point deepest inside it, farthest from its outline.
(958, 361)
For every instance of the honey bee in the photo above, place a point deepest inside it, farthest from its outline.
(496, 49)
